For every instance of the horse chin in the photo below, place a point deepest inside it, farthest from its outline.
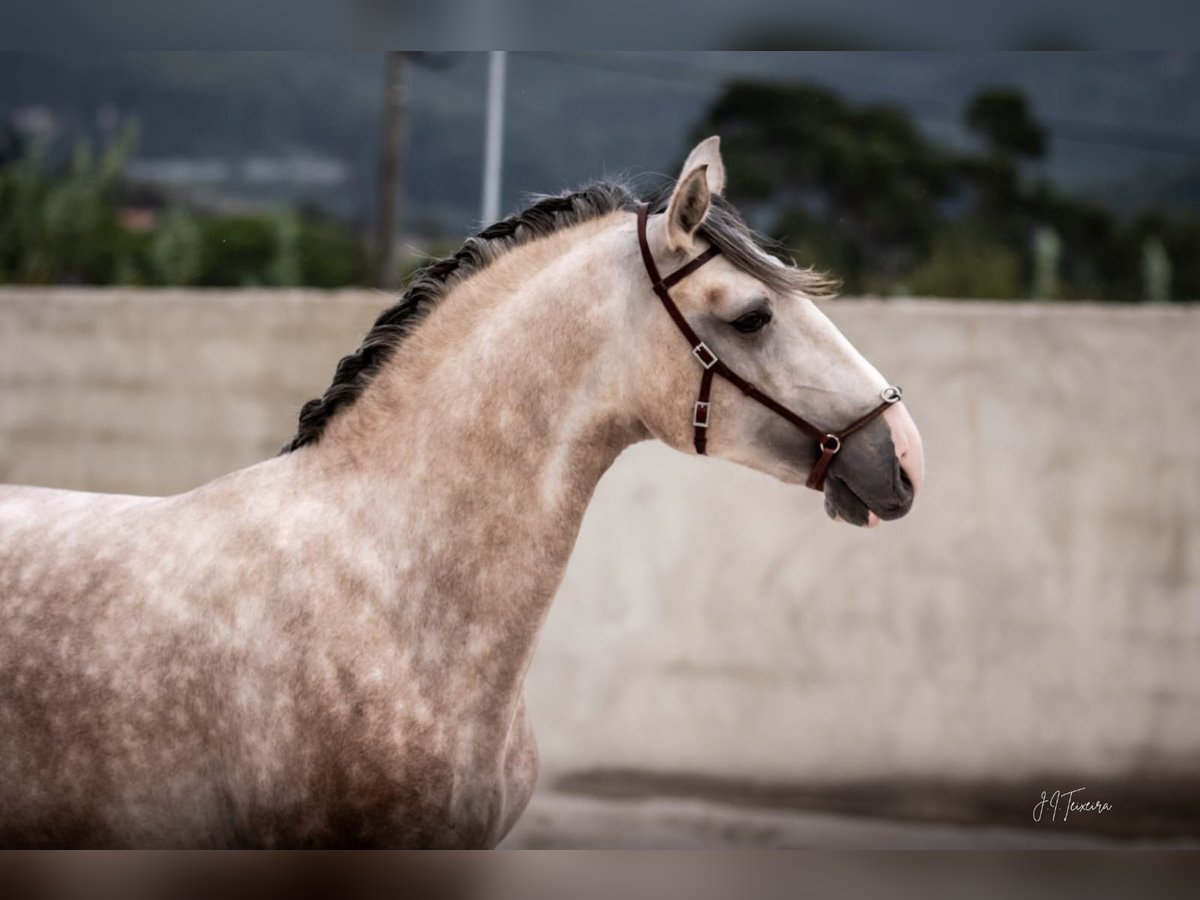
(843, 505)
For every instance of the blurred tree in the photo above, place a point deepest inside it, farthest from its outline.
(859, 187)
(274, 250)
(174, 253)
(1179, 238)
(1181, 243)
(1095, 264)
(286, 266)
(965, 261)
(331, 255)
(861, 192)
(60, 227)
(74, 224)
(1002, 118)
(858, 190)
(237, 251)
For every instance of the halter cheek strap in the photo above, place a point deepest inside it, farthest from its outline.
(829, 442)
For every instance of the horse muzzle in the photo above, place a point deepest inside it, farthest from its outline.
(879, 479)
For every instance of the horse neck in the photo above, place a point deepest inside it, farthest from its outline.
(476, 450)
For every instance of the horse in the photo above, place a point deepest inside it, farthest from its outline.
(328, 648)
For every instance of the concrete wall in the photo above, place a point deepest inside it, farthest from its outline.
(1039, 611)
(154, 392)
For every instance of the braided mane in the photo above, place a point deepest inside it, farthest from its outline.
(723, 227)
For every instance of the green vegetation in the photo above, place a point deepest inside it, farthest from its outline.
(61, 228)
(859, 191)
(75, 224)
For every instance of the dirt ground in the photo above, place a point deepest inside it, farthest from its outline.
(560, 820)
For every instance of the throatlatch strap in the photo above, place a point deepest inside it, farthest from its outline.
(700, 414)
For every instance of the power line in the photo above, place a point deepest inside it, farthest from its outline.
(707, 75)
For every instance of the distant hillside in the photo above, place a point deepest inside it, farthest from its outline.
(259, 119)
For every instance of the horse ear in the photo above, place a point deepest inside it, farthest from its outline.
(703, 175)
(708, 153)
(690, 202)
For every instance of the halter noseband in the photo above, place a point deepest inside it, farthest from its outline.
(830, 442)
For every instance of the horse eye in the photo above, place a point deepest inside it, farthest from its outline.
(751, 321)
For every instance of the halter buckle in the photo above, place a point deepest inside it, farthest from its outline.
(700, 414)
(831, 444)
(704, 356)
(890, 394)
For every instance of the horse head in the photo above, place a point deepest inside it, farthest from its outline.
(791, 395)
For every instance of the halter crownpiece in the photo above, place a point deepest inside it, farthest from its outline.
(829, 442)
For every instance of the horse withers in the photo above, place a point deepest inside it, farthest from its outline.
(329, 647)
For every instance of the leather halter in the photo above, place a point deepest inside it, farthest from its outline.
(830, 442)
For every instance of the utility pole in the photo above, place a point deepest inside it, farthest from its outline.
(391, 164)
(494, 137)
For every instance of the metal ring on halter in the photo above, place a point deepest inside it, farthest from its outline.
(833, 447)
(890, 394)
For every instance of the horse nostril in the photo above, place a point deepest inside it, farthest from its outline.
(905, 480)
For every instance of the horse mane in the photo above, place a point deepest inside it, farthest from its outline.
(724, 228)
